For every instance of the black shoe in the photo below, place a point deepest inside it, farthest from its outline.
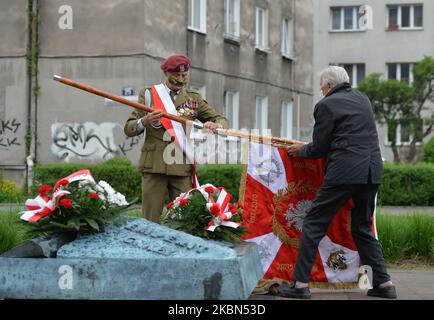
(291, 291)
(388, 292)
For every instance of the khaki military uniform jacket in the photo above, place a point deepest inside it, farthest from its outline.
(189, 105)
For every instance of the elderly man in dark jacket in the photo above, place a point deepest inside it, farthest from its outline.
(344, 133)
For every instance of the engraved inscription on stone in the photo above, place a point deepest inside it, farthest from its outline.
(143, 239)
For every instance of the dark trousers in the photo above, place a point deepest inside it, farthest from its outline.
(329, 199)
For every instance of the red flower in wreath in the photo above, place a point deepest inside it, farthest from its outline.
(169, 205)
(66, 203)
(63, 182)
(93, 195)
(183, 202)
(44, 189)
(209, 189)
(233, 209)
(215, 209)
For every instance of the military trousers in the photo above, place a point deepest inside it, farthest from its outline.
(155, 187)
(328, 201)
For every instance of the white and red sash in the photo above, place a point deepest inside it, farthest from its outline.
(163, 102)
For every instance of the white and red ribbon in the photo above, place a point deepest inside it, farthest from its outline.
(162, 101)
(43, 206)
(222, 218)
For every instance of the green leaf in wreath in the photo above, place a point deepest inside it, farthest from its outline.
(92, 223)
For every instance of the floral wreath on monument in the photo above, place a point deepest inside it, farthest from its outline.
(207, 212)
(75, 204)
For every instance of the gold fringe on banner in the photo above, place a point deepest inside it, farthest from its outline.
(270, 286)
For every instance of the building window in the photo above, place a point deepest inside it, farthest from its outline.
(286, 125)
(232, 109)
(345, 18)
(402, 17)
(198, 88)
(402, 134)
(400, 71)
(287, 38)
(356, 72)
(261, 30)
(232, 19)
(197, 15)
(261, 113)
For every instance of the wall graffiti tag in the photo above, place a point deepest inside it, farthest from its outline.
(89, 141)
(8, 134)
(129, 143)
(79, 141)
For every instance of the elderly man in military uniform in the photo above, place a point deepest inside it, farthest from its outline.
(159, 178)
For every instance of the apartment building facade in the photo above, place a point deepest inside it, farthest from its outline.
(251, 59)
(368, 36)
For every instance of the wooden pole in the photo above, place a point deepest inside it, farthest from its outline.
(225, 132)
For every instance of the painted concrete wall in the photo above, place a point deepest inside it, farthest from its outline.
(13, 87)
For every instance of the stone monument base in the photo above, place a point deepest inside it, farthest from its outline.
(139, 260)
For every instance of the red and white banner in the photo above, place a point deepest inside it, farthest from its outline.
(277, 191)
(162, 101)
(43, 205)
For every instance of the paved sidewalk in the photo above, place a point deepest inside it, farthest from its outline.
(410, 285)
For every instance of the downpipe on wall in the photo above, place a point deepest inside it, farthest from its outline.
(33, 90)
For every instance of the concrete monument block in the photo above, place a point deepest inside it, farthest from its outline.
(137, 260)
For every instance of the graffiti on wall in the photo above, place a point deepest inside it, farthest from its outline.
(128, 144)
(8, 134)
(89, 141)
(80, 141)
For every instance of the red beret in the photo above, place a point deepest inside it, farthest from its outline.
(176, 63)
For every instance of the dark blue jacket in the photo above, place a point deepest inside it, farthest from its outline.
(345, 133)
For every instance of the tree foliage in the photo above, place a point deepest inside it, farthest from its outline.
(399, 103)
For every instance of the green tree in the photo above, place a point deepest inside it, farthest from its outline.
(391, 103)
(396, 102)
(423, 92)
(428, 151)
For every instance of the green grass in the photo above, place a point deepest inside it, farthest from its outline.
(12, 232)
(134, 213)
(406, 236)
(403, 237)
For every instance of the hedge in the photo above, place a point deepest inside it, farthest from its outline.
(407, 185)
(227, 175)
(118, 172)
(9, 192)
(125, 178)
(428, 151)
(403, 185)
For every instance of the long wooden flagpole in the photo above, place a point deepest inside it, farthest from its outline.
(224, 132)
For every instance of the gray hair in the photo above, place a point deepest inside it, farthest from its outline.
(334, 75)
